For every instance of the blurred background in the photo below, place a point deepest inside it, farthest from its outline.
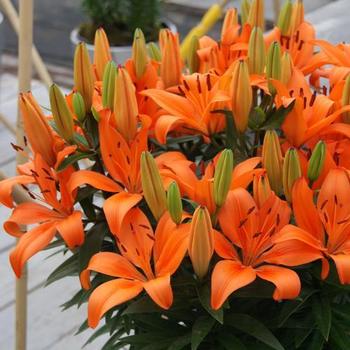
(58, 26)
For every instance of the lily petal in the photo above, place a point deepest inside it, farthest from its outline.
(71, 229)
(159, 289)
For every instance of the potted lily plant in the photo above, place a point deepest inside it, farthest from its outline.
(119, 19)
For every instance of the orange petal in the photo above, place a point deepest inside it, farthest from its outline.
(305, 212)
(227, 277)
(286, 281)
(342, 262)
(110, 264)
(223, 247)
(96, 180)
(63, 154)
(159, 289)
(7, 185)
(117, 206)
(29, 244)
(108, 295)
(173, 104)
(71, 229)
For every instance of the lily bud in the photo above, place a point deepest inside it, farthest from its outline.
(79, 106)
(261, 189)
(201, 244)
(171, 64)
(223, 177)
(284, 19)
(346, 99)
(245, 8)
(291, 172)
(286, 68)
(273, 66)
(102, 53)
(125, 105)
(256, 52)
(83, 74)
(256, 17)
(272, 160)
(108, 85)
(154, 52)
(174, 203)
(230, 22)
(242, 96)
(152, 185)
(38, 131)
(316, 161)
(139, 53)
(193, 59)
(61, 113)
(298, 15)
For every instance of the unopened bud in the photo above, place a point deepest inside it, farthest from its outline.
(273, 65)
(201, 244)
(108, 85)
(346, 99)
(152, 185)
(256, 16)
(272, 160)
(245, 8)
(286, 68)
(174, 203)
(316, 162)
(242, 96)
(285, 17)
(139, 53)
(61, 113)
(291, 172)
(102, 53)
(261, 189)
(256, 52)
(223, 177)
(193, 59)
(298, 15)
(154, 52)
(79, 106)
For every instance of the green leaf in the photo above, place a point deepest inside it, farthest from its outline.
(322, 312)
(200, 330)
(254, 328)
(204, 298)
(317, 342)
(230, 342)
(92, 244)
(339, 337)
(180, 343)
(141, 306)
(301, 335)
(72, 159)
(67, 268)
(277, 118)
(257, 118)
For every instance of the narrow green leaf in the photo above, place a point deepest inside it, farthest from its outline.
(317, 342)
(181, 342)
(275, 120)
(254, 328)
(67, 268)
(231, 342)
(72, 159)
(200, 330)
(204, 298)
(92, 244)
(339, 337)
(322, 312)
(143, 305)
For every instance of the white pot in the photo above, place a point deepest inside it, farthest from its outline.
(119, 53)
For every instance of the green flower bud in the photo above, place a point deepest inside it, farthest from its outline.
(245, 8)
(139, 53)
(152, 185)
(285, 17)
(192, 59)
(108, 85)
(291, 172)
(316, 162)
(346, 99)
(154, 52)
(61, 113)
(256, 52)
(286, 68)
(273, 66)
(223, 177)
(174, 203)
(79, 106)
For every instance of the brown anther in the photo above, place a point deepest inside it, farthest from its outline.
(199, 87)
(242, 222)
(186, 85)
(123, 248)
(324, 204)
(150, 236)
(208, 82)
(250, 210)
(313, 99)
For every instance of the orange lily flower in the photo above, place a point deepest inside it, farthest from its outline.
(325, 226)
(189, 112)
(54, 215)
(253, 231)
(122, 161)
(132, 266)
(175, 166)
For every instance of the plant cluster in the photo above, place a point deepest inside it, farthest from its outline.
(205, 204)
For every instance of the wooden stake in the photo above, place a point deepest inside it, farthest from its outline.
(40, 67)
(25, 42)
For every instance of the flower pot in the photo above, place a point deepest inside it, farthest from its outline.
(119, 53)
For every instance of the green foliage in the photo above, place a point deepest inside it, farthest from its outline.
(122, 17)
